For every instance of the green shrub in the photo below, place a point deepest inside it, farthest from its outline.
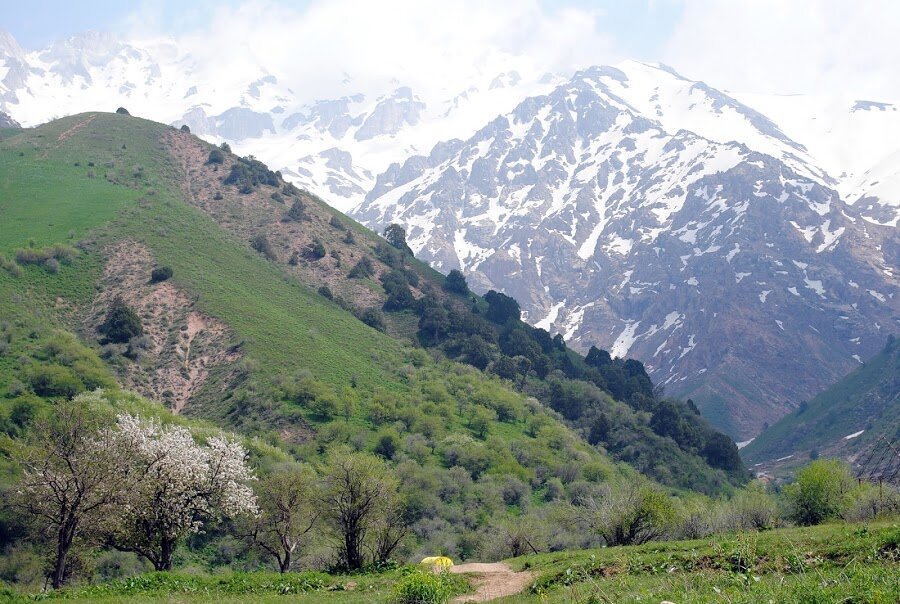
(54, 380)
(632, 515)
(387, 444)
(185, 128)
(820, 491)
(10, 266)
(315, 250)
(261, 244)
(31, 256)
(326, 292)
(424, 587)
(122, 323)
(161, 273)
(50, 258)
(296, 213)
(373, 318)
(362, 270)
(216, 157)
(752, 508)
(248, 172)
(122, 111)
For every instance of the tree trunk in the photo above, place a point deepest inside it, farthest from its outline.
(354, 556)
(284, 564)
(64, 538)
(59, 566)
(167, 548)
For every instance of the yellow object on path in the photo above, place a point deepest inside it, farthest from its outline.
(437, 562)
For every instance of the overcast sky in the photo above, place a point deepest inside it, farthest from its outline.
(777, 46)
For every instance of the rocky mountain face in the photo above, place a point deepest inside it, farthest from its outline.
(855, 419)
(740, 278)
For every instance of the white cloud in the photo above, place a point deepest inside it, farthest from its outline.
(795, 46)
(434, 46)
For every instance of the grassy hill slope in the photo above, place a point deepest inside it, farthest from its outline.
(96, 203)
(273, 342)
(276, 340)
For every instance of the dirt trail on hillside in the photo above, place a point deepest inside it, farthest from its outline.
(75, 129)
(492, 581)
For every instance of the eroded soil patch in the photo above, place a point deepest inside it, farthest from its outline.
(181, 344)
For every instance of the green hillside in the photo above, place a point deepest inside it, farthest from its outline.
(283, 320)
(864, 406)
(265, 324)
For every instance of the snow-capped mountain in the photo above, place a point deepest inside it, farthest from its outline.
(740, 278)
(333, 147)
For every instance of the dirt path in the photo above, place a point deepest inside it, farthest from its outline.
(492, 581)
(75, 129)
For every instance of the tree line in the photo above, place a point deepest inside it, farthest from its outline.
(137, 485)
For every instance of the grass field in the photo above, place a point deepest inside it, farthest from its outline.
(825, 564)
(830, 563)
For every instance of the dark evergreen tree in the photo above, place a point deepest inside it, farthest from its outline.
(456, 283)
(215, 157)
(599, 430)
(396, 236)
(161, 273)
(122, 322)
(502, 308)
(597, 358)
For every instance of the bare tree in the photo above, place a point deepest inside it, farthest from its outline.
(357, 489)
(72, 475)
(287, 513)
(390, 530)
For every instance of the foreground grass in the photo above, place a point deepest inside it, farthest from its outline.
(831, 563)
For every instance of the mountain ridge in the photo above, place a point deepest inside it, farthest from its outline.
(570, 171)
(356, 145)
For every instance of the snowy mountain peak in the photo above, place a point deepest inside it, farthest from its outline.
(615, 228)
(9, 46)
(729, 240)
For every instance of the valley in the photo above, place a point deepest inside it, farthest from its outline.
(493, 317)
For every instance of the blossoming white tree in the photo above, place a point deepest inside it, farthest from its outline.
(176, 485)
